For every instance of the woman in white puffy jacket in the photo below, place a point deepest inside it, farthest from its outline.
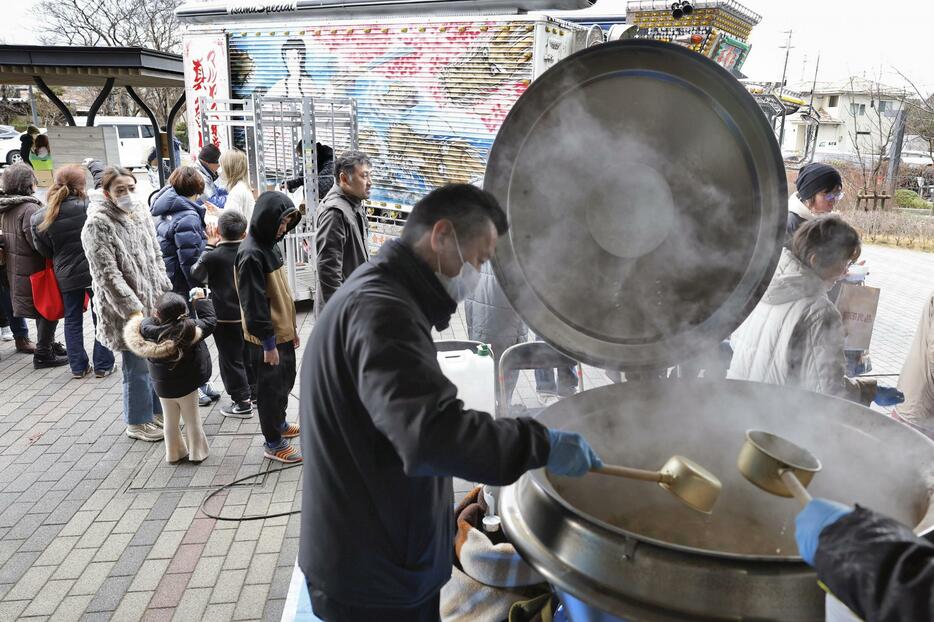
(794, 336)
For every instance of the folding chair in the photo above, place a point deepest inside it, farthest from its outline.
(529, 356)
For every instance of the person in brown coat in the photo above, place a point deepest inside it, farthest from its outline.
(17, 205)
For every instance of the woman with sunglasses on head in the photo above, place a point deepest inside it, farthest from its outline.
(819, 190)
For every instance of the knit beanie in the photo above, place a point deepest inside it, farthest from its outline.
(210, 154)
(816, 177)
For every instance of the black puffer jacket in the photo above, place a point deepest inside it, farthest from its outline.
(61, 243)
(216, 267)
(22, 259)
(877, 567)
(171, 378)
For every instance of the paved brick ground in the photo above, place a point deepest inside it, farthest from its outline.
(94, 526)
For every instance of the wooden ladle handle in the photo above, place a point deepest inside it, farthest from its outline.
(629, 473)
(793, 484)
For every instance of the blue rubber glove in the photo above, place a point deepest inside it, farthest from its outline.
(570, 454)
(888, 396)
(811, 521)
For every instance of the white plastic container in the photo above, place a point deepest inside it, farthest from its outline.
(474, 375)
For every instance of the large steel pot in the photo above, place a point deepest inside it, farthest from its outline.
(647, 201)
(631, 551)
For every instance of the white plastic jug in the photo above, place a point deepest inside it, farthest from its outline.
(474, 375)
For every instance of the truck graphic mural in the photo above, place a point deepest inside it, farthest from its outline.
(431, 95)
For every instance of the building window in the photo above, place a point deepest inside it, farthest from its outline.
(858, 133)
(884, 105)
(834, 101)
(857, 110)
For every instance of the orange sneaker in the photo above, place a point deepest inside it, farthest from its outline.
(288, 455)
(290, 431)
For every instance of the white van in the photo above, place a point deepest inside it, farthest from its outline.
(135, 136)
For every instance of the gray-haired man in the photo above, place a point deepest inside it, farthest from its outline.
(341, 226)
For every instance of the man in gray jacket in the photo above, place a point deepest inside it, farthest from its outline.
(341, 226)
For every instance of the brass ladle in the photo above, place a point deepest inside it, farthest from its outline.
(685, 479)
(777, 465)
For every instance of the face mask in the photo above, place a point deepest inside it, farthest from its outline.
(125, 202)
(460, 286)
(42, 152)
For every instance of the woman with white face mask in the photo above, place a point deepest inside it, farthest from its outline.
(128, 278)
(794, 336)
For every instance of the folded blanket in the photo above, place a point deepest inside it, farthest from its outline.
(489, 576)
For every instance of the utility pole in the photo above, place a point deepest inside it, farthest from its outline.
(781, 89)
(895, 151)
(32, 106)
(811, 145)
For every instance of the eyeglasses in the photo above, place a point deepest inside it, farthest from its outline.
(833, 196)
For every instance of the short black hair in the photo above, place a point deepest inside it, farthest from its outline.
(348, 162)
(294, 44)
(231, 224)
(465, 205)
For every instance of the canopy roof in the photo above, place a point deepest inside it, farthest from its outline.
(90, 66)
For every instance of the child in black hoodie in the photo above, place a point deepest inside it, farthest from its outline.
(179, 363)
(269, 322)
(216, 268)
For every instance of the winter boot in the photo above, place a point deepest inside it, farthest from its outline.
(45, 357)
(24, 345)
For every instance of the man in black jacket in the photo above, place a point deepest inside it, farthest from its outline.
(216, 268)
(384, 432)
(341, 226)
(269, 325)
(873, 564)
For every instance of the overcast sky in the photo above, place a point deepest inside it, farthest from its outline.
(853, 37)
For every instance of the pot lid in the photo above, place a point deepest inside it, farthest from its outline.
(647, 201)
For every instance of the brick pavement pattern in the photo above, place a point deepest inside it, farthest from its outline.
(95, 526)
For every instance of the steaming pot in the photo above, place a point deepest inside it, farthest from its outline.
(647, 201)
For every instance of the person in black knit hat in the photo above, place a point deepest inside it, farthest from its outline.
(819, 189)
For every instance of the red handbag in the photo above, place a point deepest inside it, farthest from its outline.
(46, 296)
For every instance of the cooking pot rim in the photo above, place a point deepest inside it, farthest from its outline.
(540, 479)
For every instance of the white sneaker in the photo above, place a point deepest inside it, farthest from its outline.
(144, 432)
(158, 421)
(6, 333)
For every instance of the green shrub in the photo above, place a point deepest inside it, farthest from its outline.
(910, 198)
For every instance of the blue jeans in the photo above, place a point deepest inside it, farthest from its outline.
(17, 324)
(74, 335)
(139, 400)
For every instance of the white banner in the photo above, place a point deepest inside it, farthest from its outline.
(206, 75)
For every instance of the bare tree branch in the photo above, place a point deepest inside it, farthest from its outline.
(116, 23)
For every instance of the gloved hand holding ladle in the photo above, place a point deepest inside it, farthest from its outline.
(688, 481)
